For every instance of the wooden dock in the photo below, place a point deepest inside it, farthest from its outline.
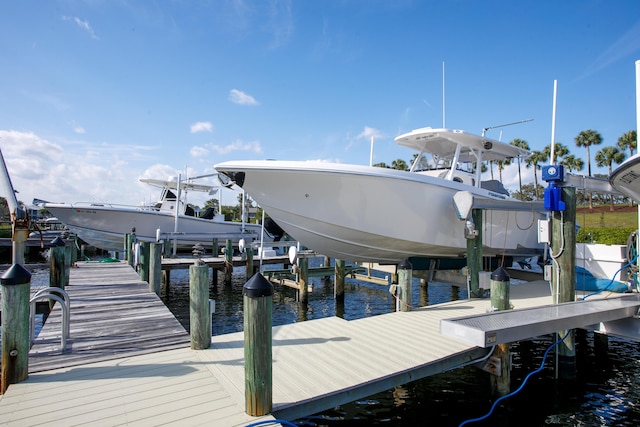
(317, 365)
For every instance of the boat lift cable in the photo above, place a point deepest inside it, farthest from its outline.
(513, 393)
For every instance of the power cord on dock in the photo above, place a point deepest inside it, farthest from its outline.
(631, 264)
(266, 422)
(513, 393)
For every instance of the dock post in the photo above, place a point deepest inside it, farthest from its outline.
(59, 265)
(199, 311)
(258, 378)
(563, 253)
(215, 250)
(303, 280)
(155, 269)
(144, 261)
(15, 288)
(130, 248)
(501, 381)
(249, 272)
(166, 280)
(405, 276)
(338, 291)
(474, 255)
(228, 263)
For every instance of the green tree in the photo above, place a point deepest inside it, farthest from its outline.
(628, 140)
(400, 165)
(560, 151)
(587, 138)
(521, 143)
(381, 165)
(535, 160)
(572, 163)
(606, 157)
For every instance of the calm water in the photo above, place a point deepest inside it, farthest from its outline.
(607, 393)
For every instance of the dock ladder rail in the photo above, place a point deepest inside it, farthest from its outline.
(56, 294)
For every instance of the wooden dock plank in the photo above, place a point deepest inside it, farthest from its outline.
(112, 314)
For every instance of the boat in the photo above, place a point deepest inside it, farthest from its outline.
(626, 178)
(104, 225)
(372, 214)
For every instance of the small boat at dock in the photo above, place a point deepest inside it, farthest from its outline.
(104, 225)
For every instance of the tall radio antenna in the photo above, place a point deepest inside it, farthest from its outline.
(443, 109)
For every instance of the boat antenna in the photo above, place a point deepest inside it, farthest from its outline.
(443, 109)
(552, 158)
(484, 130)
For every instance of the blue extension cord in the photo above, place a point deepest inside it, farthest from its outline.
(283, 422)
(473, 420)
(629, 264)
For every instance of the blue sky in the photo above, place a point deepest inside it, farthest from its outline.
(99, 93)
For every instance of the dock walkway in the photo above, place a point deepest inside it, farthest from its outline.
(317, 365)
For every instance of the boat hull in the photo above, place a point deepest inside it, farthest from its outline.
(104, 226)
(361, 213)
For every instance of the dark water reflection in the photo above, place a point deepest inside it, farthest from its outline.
(606, 393)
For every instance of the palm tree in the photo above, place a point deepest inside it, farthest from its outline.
(524, 145)
(587, 138)
(535, 159)
(501, 164)
(606, 157)
(559, 149)
(572, 163)
(399, 164)
(628, 140)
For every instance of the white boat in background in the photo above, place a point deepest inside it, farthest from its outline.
(104, 225)
(372, 214)
(626, 178)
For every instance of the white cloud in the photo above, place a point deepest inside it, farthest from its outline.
(198, 151)
(201, 127)
(238, 145)
(79, 129)
(82, 24)
(238, 97)
(368, 133)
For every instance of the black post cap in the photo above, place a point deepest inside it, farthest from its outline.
(15, 275)
(405, 265)
(257, 286)
(500, 275)
(57, 242)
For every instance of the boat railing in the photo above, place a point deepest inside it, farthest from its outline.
(89, 205)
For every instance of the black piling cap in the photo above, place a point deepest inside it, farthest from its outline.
(15, 275)
(257, 287)
(405, 265)
(500, 275)
(57, 242)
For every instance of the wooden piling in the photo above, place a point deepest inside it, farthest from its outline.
(303, 280)
(405, 277)
(249, 271)
(474, 255)
(258, 301)
(228, 256)
(501, 381)
(145, 254)
(338, 291)
(59, 265)
(563, 252)
(15, 287)
(199, 314)
(155, 269)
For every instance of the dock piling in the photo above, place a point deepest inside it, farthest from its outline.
(155, 269)
(15, 287)
(501, 381)
(199, 308)
(405, 276)
(258, 300)
(338, 292)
